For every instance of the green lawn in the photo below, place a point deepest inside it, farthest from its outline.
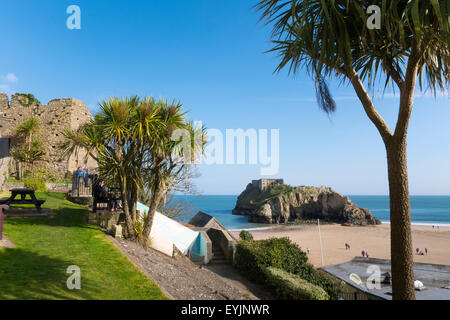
(45, 248)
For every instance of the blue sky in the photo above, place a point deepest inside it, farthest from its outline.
(209, 54)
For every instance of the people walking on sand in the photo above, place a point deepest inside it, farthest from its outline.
(347, 246)
(367, 255)
(426, 251)
(363, 253)
(308, 250)
(417, 250)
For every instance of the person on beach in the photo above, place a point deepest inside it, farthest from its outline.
(417, 250)
(363, 253)
(426, 251)
(308, 250)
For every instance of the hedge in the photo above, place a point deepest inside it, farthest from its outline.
(245, 235)
(288, 286)
(254, 257)
(35, 183)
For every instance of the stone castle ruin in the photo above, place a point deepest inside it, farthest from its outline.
(263, 184)
(55, 117)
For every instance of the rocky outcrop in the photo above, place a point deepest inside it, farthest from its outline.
(283, 203)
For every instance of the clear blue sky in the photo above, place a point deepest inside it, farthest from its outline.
(209, 54)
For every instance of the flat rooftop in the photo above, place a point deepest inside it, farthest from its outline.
(434, 277)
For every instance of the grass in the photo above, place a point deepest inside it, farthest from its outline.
(45, 248)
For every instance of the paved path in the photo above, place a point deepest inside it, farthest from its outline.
(180, 279)
(229, 274)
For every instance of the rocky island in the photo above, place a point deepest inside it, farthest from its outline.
(272, 201)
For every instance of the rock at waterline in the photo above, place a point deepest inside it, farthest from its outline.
(281, 203)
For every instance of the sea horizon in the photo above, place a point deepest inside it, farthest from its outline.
(426, 210)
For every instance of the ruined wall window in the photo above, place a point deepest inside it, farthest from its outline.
(5, 144)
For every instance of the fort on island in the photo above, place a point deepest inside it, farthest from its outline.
(54, 117)
(263, 184)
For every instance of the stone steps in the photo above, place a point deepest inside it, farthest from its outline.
(218, 256)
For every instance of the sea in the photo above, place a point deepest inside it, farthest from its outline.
(425, 210)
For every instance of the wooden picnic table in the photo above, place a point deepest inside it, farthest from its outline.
(23, 192)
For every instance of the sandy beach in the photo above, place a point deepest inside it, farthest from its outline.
(373, 239)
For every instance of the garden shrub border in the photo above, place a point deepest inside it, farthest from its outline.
(252, 258)
(288, 286)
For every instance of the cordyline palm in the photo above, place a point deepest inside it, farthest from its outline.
(169, 155)
(132, 142)
(32, 151)
(28, 128)
(331, 38)
(115, 139)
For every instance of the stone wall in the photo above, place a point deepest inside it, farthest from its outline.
(52, 187)
(55, 117)
(226, 242)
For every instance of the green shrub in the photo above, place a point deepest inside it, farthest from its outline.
(35, 183)
(288, 286)
(44, 175)
(253, 257)
(28, 99)
(245, 235)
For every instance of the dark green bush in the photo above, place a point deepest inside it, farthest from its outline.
(288, 286)
(245, 235)
(35, 183)
(253, 257)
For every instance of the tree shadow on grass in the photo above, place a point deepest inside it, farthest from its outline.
(63, 217)
(25, 275)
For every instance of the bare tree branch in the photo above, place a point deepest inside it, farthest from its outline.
(371, 112)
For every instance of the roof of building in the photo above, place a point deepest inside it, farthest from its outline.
(201, 219)
(434, 277)
(205, 221)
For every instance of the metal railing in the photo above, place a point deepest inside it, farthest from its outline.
(82, 184)
(354, 296)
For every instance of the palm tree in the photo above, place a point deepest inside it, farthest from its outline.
(331, 38)
(32, 151)
(170, 154)
(131, 141)
(28, 128)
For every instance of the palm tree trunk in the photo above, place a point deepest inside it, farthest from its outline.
(133, 204)
(154, 204)
(401, 243)
(126, 210)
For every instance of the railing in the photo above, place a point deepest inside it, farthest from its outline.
(82, 185)
(354, 296)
